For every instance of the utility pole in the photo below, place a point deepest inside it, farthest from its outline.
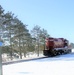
(1, 58)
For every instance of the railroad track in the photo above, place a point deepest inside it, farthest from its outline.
(22, 60)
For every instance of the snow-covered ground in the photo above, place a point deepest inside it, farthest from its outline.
(59, 65)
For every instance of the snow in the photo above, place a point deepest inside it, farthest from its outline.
(59, 65)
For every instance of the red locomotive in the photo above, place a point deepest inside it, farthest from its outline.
(55, 46)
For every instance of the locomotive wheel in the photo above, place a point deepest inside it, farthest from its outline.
(54, 53)
(58, 52)
(61, 52)
(69, 51)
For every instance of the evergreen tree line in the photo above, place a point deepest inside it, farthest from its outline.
(17, 38)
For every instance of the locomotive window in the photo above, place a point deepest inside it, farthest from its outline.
(55, 40)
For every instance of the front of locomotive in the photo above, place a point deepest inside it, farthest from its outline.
(49, 45)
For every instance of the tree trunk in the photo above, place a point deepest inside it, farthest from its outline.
(38, 49)
(20, 54)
